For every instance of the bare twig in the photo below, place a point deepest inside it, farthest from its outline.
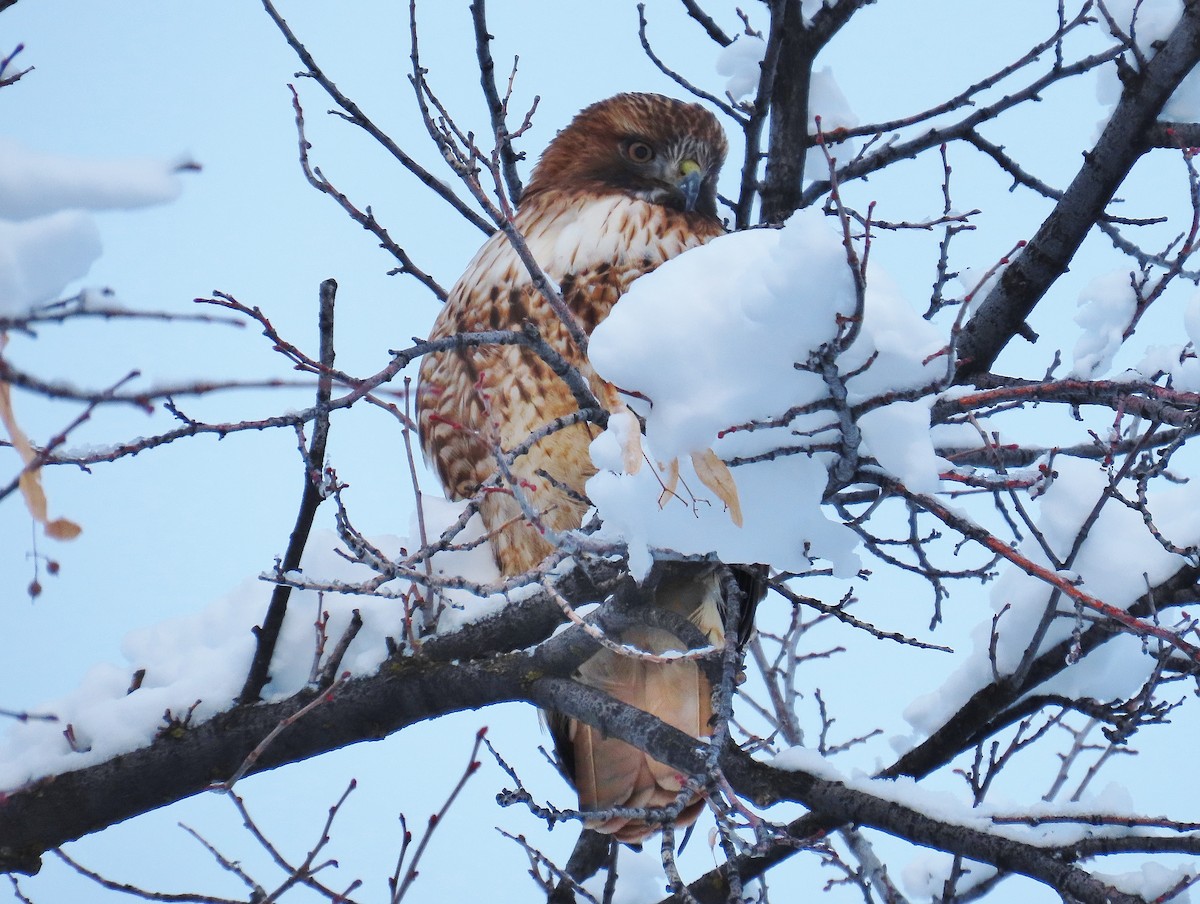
(314, 483)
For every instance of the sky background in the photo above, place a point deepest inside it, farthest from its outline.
(170, 531)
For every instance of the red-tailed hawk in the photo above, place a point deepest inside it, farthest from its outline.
(630, 183)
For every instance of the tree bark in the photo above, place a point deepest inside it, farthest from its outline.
(61, 808)
(1046, 257)
(788, 138)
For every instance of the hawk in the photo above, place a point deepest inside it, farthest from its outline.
(629, 184)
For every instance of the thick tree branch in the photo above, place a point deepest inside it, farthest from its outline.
(975, 721)
(788, 138)
(1046, 257)
(984, 713)
(833, 800)
(52, 811)
(1174, 135)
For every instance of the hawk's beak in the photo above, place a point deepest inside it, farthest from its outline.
(690, 183)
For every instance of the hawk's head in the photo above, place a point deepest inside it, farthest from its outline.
(656, 148)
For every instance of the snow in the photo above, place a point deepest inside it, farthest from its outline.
(1191, 319)
(951, 809)
(35, 183)
(954, 436)
(1155, 19)
(773, 297)
(739, 62)
(913, 463)
(202, 658)
(642, 877)
(978, 282)
(47, 238)
(684, 334)
(926, 872)
(781, 501)
(1117, 539)
(474, 561)
(1177, 360)
(40, 257)
(809, 8)
(1106, 308)
(1153, 881)
(711, 339)
(826, 100)
(939, 805)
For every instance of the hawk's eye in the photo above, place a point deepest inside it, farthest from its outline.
(639, 152)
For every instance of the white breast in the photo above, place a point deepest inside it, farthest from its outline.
(579, 233)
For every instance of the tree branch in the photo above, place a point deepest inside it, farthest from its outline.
(268, 633)
(831, 800)
(360, 119)
(1025, 282)
(52, 811)
(496, 107)
(788, 139)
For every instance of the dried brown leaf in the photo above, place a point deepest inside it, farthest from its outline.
(63, 529)
(631, 436)
(670, 481)
(30, 480)
(30, 485)
(715, 475)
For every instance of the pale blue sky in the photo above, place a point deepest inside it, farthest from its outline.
(169, 531)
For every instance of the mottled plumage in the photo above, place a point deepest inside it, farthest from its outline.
(627, 185)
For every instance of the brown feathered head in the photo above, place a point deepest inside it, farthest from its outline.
(655, 148)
